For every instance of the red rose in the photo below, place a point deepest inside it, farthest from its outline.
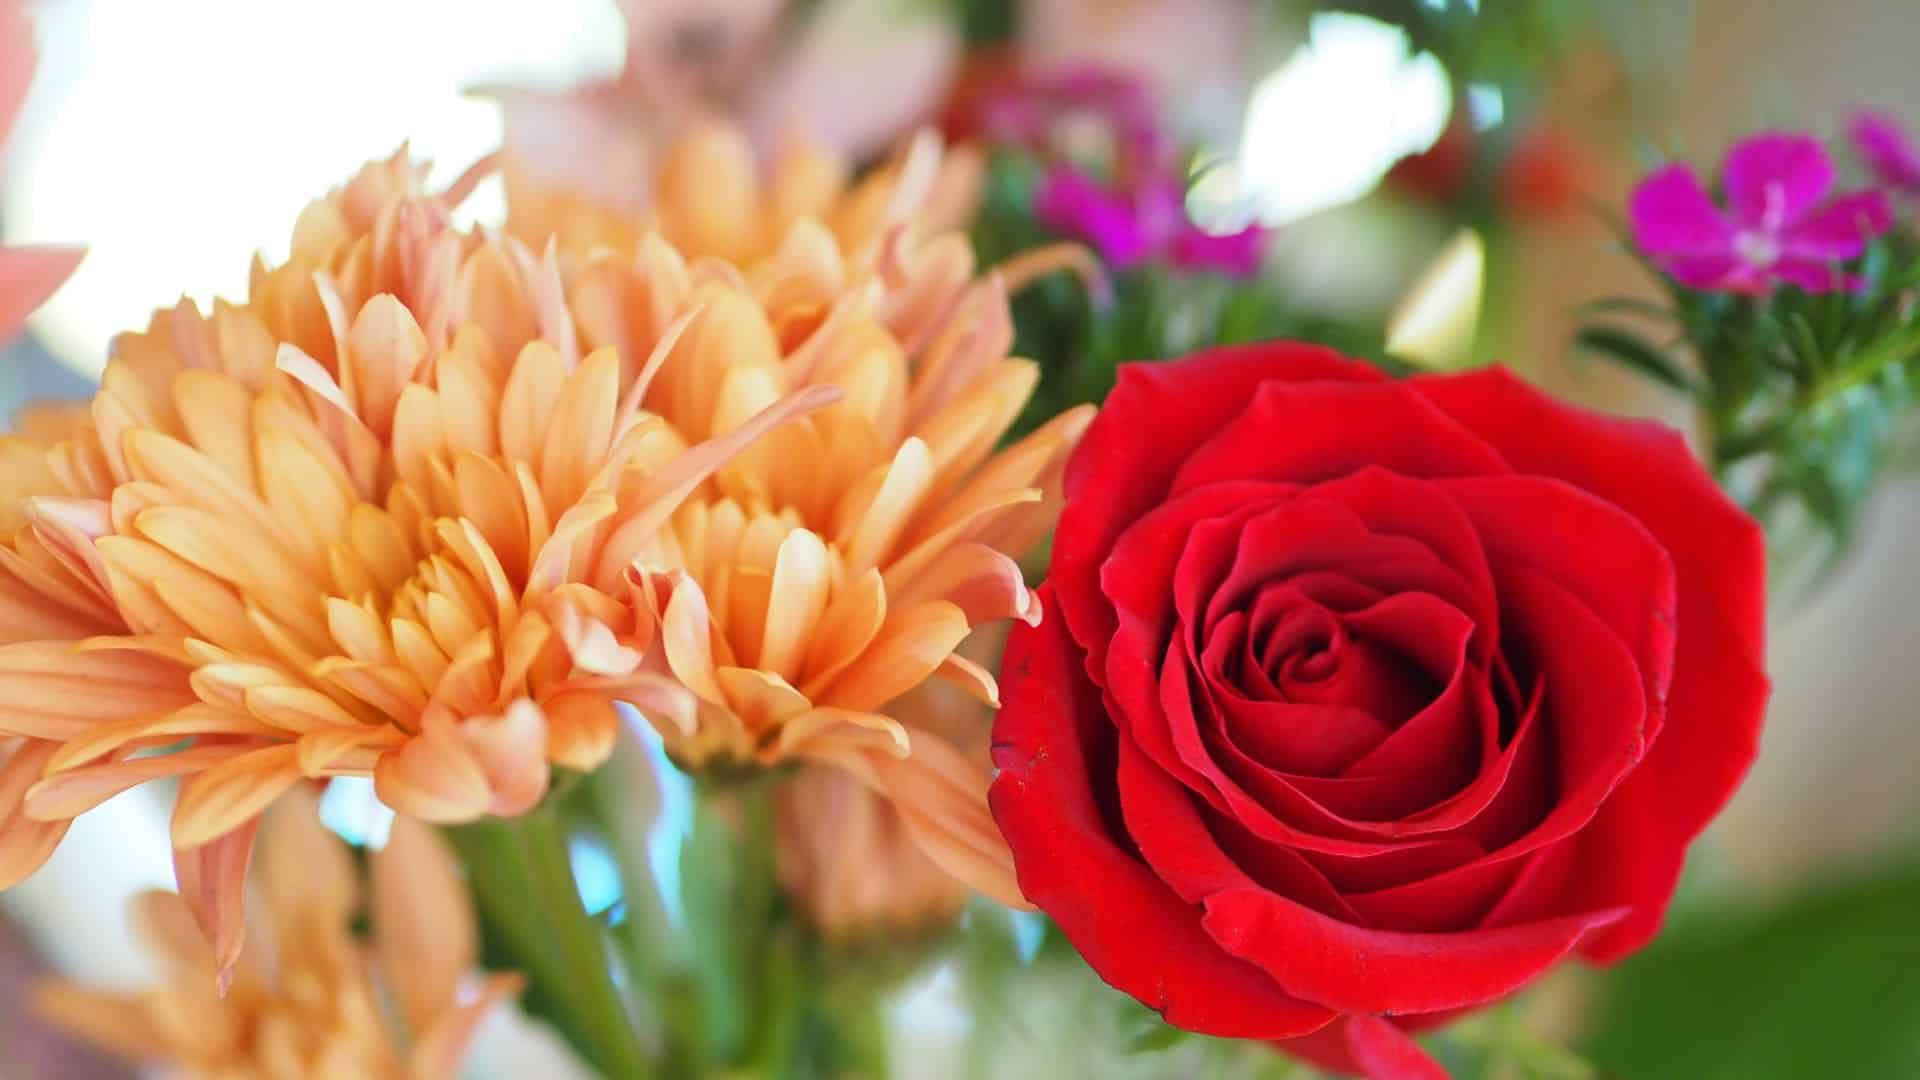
(1370, 698)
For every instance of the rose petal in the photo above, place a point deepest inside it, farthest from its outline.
(1719, 690)
(1385, 1052)
(1174, 840)
(1051, 741)
(1301, 432)
(1355, 969)
(1133, 448)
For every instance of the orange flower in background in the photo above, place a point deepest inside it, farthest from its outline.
(324, 1003)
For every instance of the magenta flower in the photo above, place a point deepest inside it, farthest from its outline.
(1773, 229)
(1132, 227)
(1072, 203)
(1884, 145)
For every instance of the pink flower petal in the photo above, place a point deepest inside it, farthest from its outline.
(1812, 275)
(1716, 273)
(1841, 229)
(1880, 140)
(27, 277)
(1672, 215)
(1773, 179)
(1072, 203)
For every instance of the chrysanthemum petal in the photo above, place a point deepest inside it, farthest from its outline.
(910, 646)
(426, 939)
(225, 796)
(25, 844)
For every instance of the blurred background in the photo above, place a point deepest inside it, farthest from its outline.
(177, 140)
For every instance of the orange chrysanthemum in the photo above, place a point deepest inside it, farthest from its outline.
(428, 505)
(320, 1006)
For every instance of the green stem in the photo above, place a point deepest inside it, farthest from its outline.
(523, 881)
(729, 899)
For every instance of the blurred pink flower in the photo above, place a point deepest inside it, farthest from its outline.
(1774, 228)
(1132, 226)
(28, 275)
(1887, 150)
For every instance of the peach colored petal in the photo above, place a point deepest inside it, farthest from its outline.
(306, 872)
(802, 582)
(212, 879)
(511, 749)
(441, 1046)
(976, 681)
(114, 1022)
(582, 728)
(49, 689)
(25, 844)
(842, 729)
(984, 583)
(532, 389)
(942, 798)
(910, 646)
(851, 622)
(188, 721)
(434, 776)
(426, 938)
(686, 635)
(164, 924)
(878, 525)
(220, 799)
(593, 646)
(662, 494)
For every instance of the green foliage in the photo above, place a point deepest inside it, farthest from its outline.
(1822, 984)
(1802, 397)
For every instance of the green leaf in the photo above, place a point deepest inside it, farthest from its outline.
(1821, 985)
(1629, 349)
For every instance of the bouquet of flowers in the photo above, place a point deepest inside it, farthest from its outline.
(786, 540)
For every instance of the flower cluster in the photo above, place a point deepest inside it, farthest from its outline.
(1777, 227)
(428, 505)
(1787, 318)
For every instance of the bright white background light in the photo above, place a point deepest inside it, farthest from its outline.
(176, 139)
(1325, 127)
